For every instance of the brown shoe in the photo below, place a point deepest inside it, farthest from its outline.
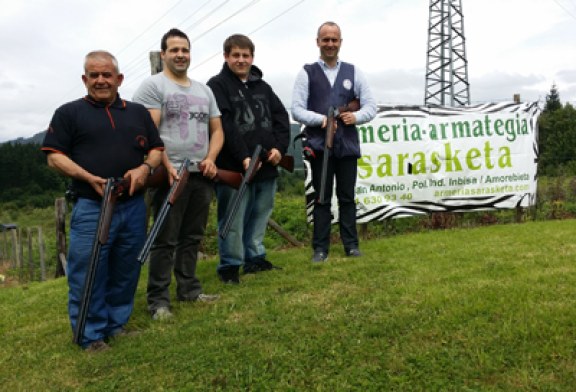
(120, 333)
(97, 347)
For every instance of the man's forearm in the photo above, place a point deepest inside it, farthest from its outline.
(216, 139)
(64, 165)
(154, 158)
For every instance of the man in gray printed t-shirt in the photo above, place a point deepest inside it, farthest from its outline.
(187, 116)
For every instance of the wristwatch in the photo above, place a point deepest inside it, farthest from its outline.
(149, 167)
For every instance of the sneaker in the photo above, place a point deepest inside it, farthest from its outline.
(207, 297)
(230, 275)
(353, 253)
(265, 265)
(161, 314)
(97, 347)
(319, 257)
(251, 268)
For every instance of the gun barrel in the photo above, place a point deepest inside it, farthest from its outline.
(327, 147)
(233, 209)
(173, 194)
(143, 255)
(94, 258)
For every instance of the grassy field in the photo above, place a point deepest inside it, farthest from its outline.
(482, 309)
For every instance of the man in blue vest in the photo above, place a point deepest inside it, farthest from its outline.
(327, 83)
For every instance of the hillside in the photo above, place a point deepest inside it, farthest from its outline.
(36, 139)
(480, 309)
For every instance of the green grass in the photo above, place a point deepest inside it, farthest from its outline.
(482, 309)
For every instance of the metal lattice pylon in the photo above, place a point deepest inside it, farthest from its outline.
(446, 63)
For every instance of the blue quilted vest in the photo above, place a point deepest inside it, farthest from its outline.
(321, 96)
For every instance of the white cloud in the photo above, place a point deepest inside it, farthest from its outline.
(513, 46)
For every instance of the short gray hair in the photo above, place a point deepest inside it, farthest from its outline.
(101, 54)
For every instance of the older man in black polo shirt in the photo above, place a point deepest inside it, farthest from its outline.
(89, 140)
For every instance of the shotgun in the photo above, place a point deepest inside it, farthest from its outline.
(331, 126)
(173, 193)
(114, 188)
(248, 176)
(286, 162)
(328, 140)
(159, 178)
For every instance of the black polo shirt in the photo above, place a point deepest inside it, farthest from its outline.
(106, 140)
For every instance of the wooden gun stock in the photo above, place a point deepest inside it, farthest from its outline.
(331, 125)
(352, 106)
(160, 178)
(229, 177)
(287, 163)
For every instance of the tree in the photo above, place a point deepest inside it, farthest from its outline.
(25, 177)
(553, 100)
(557, 141)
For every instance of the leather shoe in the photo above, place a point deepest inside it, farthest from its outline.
(230, 275)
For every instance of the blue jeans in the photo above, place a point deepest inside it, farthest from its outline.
(244, 242)
(117, 272)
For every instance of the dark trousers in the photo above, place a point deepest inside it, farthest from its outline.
(344, 170)
(176, 247)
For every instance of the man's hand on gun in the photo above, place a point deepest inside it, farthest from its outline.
(138, 177)
(246, 165)
(98, 183)
(274, 156)
(208, 168)
(345, 113)
(348, 118)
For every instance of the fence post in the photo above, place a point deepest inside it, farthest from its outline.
(20, 253)
(4, 247)
(60, 208)
(14, 249)
(30, 255)
(364, 230)
(283, 233)
(155, 62)
(42, 255)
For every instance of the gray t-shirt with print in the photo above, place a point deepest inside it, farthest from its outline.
(186, 111)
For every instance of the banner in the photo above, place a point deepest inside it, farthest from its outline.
(423, 159)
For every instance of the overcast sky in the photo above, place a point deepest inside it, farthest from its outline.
(513, 46)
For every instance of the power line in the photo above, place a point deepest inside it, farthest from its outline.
(565, 9)
(138, 65)
(150, 26)
(202, 19)
(142, 55)
(253, 31)
(237, 12)
(244, 8)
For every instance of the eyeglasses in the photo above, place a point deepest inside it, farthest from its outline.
(96, 75)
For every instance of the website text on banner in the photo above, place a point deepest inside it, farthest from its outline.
(419, 160)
